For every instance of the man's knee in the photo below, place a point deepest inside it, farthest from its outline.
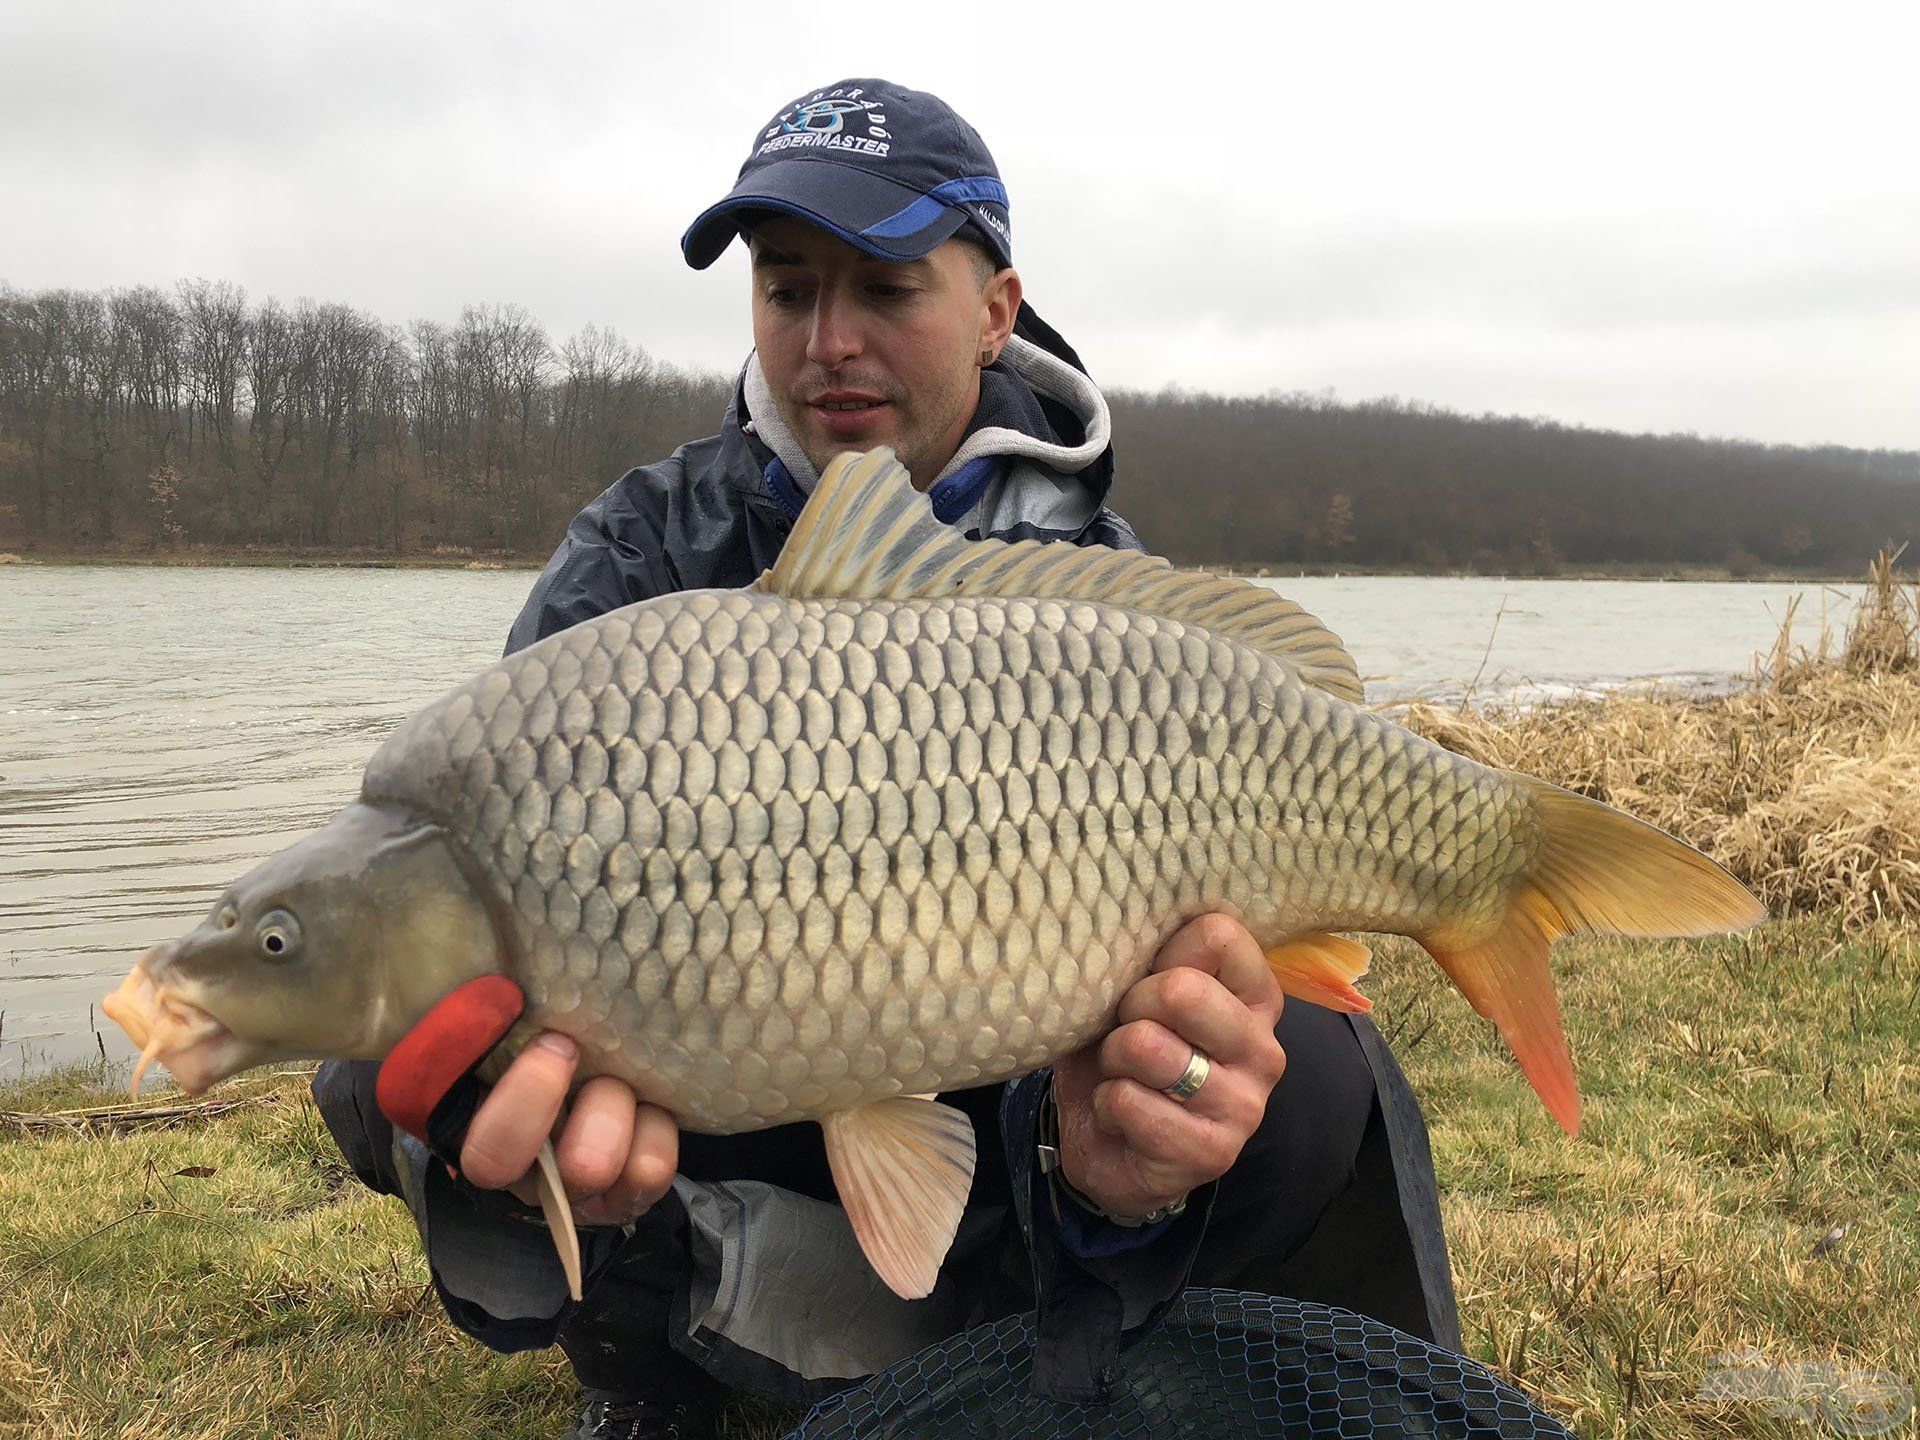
(1302, 1157)
(1318, 1112)
(343, 1091)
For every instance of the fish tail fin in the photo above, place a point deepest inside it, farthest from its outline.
(1598, 872)
(1506, 977)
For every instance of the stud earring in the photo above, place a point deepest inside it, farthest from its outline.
(986, 358)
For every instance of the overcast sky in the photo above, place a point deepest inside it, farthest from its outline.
(1644, 216)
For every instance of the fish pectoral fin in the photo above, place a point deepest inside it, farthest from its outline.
(1321, 967)
(903, 1168)
(553, 1204)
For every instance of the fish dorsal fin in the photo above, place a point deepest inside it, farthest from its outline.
(866, 533)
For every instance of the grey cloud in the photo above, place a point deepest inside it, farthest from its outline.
(411, 159)
(1806, 385)
(1196, 255)
(271, 85)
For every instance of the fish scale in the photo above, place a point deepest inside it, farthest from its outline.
(901, 847)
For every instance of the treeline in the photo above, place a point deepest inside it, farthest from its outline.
(142, 419)
(1398, 484)
(138, 418)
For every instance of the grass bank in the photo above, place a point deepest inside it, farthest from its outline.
(1746, 1100)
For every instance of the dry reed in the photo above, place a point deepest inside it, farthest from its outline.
(1802, 782)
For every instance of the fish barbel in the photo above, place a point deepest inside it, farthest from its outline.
(908, 816)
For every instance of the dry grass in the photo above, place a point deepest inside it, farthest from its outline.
(1746, 1098)
(1803, 783)
(226, 1278)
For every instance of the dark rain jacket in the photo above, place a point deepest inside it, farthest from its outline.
(1036, 463)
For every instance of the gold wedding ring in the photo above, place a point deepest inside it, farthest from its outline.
(1192, 1078)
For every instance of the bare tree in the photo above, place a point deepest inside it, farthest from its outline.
(605, 403)
(273, 418)
(31, 371)
(151, 331)
(214, 317)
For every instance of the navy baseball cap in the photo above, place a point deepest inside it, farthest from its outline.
(891, 171)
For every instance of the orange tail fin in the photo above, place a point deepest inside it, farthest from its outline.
(1598, 872)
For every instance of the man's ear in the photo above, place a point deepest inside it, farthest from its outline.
(999, 307)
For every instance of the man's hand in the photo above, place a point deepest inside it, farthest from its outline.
(616, 1155)
(1124, 1143)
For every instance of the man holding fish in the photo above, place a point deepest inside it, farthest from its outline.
(1189, 1128)
(1215, 1137)
(831, 795)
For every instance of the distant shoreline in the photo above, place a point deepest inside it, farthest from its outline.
(217, 557)
(1679, 574)
(213, 557)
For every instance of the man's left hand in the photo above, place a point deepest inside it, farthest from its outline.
(1124, 1142)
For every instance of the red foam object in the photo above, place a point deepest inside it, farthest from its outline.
(449, 1040)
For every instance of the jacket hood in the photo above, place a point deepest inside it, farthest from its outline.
(1037, 452)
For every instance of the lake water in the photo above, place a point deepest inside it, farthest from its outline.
(161, 730)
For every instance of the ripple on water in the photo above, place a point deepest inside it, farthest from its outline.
(163, 731)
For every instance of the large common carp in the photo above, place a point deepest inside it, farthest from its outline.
(909, 815)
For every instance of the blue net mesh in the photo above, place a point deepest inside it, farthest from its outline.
(1223, 1366)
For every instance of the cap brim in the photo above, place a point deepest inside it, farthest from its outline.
(845, 201)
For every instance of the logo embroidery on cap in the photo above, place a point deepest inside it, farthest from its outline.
(987, 217)
(821, 123)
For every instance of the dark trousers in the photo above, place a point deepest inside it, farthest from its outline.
(1311, 1211)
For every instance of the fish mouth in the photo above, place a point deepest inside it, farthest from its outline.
(168, 1027)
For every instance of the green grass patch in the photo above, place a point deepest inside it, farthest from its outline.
(1745, 1098)
(227, 1277)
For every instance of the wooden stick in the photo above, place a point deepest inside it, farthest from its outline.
(125, 1117)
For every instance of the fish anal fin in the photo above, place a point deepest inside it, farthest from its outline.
(866, 533)
(1321, 967)
(903, 1168)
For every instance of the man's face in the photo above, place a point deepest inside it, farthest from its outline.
(862, 352)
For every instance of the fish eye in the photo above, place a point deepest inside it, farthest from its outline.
(277, 936)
